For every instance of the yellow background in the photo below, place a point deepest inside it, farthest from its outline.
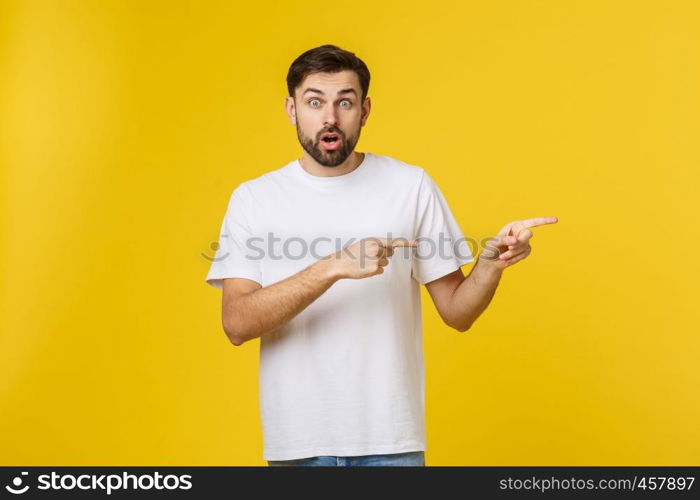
(125, 126)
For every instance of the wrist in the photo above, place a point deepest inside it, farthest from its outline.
(328, 269)
(489, 265)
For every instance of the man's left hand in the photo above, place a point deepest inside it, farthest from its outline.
(512, 243)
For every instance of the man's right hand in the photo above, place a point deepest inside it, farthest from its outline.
(366, 258)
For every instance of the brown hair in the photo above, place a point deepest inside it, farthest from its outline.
(327, 59)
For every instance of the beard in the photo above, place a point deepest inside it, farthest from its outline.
(325, 157)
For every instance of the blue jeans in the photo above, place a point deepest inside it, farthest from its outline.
(410, 458)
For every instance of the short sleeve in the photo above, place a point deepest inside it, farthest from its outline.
(235, 256)
(442, 247)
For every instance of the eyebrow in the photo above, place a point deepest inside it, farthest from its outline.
(340, 92)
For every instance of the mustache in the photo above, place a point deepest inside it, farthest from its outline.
(331, 131)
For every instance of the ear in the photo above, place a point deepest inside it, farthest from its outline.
(366, 107)
(290, 108)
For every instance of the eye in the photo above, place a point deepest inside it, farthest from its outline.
(349, 102)
(311, 101)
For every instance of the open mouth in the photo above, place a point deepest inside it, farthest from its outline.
(331, 141)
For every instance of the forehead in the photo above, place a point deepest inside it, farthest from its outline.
(330, 83)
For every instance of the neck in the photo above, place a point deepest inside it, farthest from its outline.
(314, 168)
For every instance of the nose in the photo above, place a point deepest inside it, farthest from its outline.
(329, 116)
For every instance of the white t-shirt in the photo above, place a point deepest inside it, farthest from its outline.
(345, 376)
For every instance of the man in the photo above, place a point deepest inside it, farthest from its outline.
(322, 260)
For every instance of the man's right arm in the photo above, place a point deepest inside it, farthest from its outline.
(250, 311)
(250, 314)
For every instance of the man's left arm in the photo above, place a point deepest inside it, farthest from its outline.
(459, 300)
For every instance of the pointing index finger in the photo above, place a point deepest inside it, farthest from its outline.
(397, 242)
(539, 221)
(402, 242)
